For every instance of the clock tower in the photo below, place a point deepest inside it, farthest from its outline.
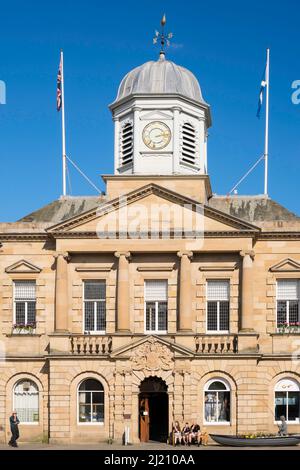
(161, 120)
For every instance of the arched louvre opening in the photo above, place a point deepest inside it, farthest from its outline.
(188, 150)
(127, 144)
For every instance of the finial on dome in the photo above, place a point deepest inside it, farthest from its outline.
(164, 38)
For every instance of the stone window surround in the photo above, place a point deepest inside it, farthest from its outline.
(40, 283)
(226, 275)
(10, 386)
(272, 294)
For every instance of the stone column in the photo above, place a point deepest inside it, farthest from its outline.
(61, 292)
(247, 291)
(185, 291)
(123, 319)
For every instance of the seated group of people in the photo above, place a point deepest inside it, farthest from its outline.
(187, 435)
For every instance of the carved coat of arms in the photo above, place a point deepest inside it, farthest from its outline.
(152, 355)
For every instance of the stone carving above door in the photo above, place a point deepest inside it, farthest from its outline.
(152, 355)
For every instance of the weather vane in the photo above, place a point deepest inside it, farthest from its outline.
(162, 37)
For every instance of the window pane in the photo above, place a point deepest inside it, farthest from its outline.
(91, 385)
(89, 320)
(94, 290)
(20, 313)
(217, 386)
(224, 316)
(212, 322)
(281, 312)
(293, 406)
(217, 290)
(287, 289)
(280, 405)
(98, 398)
(162, 316)
(150, 316)
(84, 413)
(98, 413)
(101, 320)
(30, 313)
(210, 406)
(156, 290)
(293, 311)
(25, 290)
(223, 406)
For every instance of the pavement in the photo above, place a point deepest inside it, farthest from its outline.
(149, 446)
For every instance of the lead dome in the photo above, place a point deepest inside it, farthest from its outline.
(160, 77)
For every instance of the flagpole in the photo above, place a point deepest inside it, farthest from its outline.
(64, 157)
(266, 153)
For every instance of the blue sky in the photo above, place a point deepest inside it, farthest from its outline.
(223, 43)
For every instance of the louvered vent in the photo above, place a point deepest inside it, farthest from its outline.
(188, 151)
(127, 143)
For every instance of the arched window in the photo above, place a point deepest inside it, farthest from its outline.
(217, 402)
(127, 143)
(287, 400)
(188, 150)
(26, 401)
(91, 402)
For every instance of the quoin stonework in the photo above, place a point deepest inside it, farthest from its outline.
(156, 301)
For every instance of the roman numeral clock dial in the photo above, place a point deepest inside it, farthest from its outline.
(156, 135)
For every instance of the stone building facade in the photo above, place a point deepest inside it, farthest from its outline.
(156, 301)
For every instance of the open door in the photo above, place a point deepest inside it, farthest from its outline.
(144, 419)
(153, 410)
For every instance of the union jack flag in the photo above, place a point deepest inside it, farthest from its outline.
(58, 89)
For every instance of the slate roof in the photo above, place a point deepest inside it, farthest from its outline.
(258, 210)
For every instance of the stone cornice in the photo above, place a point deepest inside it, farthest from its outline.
(11, 237)
(278, 235)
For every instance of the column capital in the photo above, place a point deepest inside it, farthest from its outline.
(245, 253)
(189, 254)
(65, 255)
(119, 254)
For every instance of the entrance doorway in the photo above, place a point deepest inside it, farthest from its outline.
(153, 410)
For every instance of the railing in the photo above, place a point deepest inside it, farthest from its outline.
(216, 344)
(90, 344)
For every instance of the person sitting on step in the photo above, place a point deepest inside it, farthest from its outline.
(176, 433)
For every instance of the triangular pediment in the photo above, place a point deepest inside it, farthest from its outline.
(286, 265)
(21, 267)
(156, 115)
(149, 207)
(151, 343)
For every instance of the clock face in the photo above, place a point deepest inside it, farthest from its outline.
(156, 135)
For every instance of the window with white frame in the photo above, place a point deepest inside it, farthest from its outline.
(287, 400)
(26, 401)
(94, 306)
(156, 306)
(25, 303)
(217, 402)
(288, 302)
(218, 305)
(91, 402)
